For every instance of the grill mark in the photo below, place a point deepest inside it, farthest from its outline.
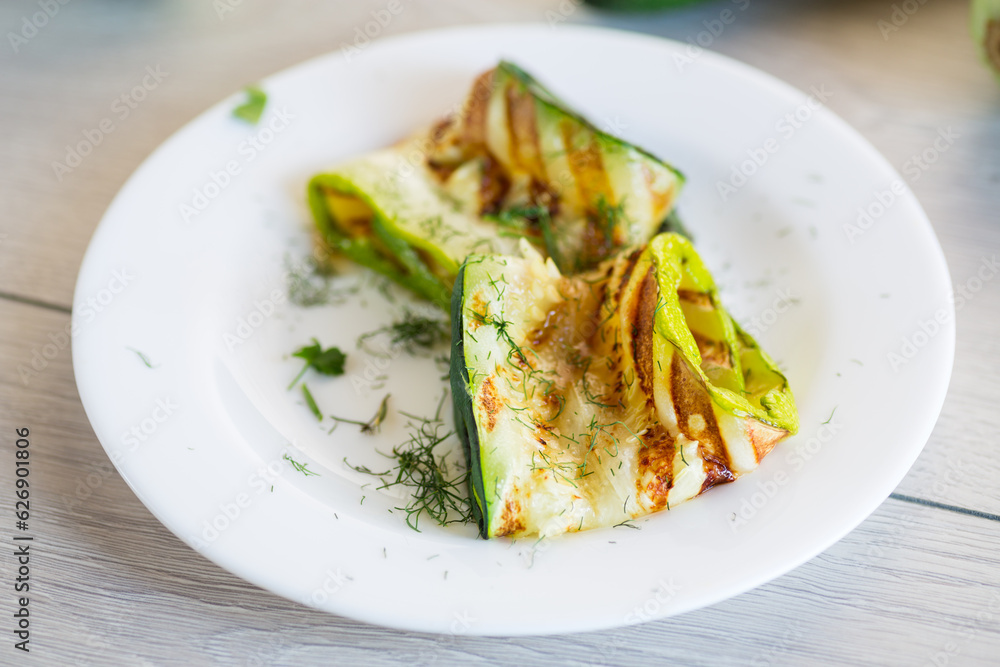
(493, 186)
(630, 264)
(691, 398)
(587, 167)
(641, 319)
(490, 403)
(475, 117)
(716, 472)
(541, 195)
(598, 245)
(511, 521)
(656, 458)
(713, 352)
(510, 103)
(522, 129)
(526, 123)
(696, 298)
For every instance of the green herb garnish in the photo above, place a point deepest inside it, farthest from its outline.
(142, 357)
(301, 467)
(328, 362)
(436, 492)
(412, 332)
(309, 282)
(371, 426)
(311, 402)
(251, 110)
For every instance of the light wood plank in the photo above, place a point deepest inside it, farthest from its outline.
(117, 588)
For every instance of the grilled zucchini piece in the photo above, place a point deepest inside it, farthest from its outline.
(514, 162)
(590, 400)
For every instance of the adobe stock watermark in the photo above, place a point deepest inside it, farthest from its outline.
(562, 12)
(220, 179)
(363, 35)
(782, 302)
(333, 582)
(913, 169)
(122, 107)
(131, 439)
(696, 44)
(459, 625)
(31, 25)
(928, 329)
(224, 7)
(796, 459)
(86, 312)
(247, 325)
(786, 128)
(985, 618)
(663, 594)
(899, 17)
(260, 481)
(790, 637)
(381, 351)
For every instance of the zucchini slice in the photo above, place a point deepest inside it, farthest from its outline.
(514, 162)
(589, 400)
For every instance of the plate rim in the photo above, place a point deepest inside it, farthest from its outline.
(755, 74)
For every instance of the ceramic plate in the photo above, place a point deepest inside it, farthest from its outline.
(820, 249)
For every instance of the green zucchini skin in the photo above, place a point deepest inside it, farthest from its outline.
(465, 423)
(589, 400)
(398, 261)
(516, 161)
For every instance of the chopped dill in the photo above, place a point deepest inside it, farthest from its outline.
(143, 358)
(311, 402)
(830, 418)
(436, 491)
(410, 333)
(308, 283)
(373, 425)
(627, 523)
(301, 467)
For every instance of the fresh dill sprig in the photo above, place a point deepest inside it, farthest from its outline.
(436, 491)
(308, 282)
(373, 425)
(328, 362)
(609, 215)
(830, 418)
(410, 333)
(301, 467)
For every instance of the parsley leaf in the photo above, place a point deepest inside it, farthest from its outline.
(328, 362)
(251, 110)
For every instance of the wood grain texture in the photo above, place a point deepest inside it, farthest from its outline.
(912, 585)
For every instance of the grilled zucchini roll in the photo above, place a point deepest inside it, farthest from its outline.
(514, 162)
(589, 400)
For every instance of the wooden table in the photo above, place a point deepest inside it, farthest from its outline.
(916, 583)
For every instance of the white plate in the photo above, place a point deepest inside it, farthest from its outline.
(196, 436)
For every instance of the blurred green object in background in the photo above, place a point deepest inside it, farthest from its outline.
(986, 31)
(639, 5)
